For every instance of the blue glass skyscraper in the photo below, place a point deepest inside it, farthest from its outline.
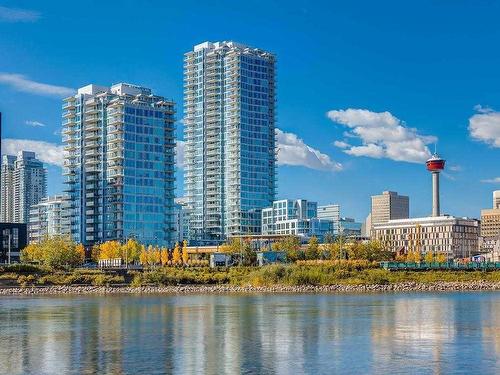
(229, 123)
(119, 164)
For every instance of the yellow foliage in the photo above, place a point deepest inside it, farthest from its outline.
(176, 256)
(143, 257)
(441, 257)
(110, 250)
(429, 257)
(185, 255)
(164, 256)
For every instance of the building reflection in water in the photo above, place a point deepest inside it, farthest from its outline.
(229, 334)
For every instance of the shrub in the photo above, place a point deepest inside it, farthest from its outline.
(24, 268)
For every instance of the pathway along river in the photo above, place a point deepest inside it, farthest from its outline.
(422, 333)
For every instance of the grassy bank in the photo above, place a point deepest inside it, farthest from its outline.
(346, 273)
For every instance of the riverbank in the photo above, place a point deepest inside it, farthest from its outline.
(223, 289)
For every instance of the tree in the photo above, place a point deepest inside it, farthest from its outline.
(312, 251)
(80, 249)
(95, 252)
(291, 246)
(372, 251)
(429, 257)
(176, 256)
(185, 255)
(157, 255)
(57, 252)
(164, 256)
(32, 253)
(143, 257)
(110, 250)
(441, 257)
(131, 251)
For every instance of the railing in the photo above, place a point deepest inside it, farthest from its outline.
(455, 266)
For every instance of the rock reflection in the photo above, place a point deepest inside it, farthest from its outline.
(229, 334)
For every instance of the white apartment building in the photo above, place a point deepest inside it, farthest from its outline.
(454, 236)
(229, 130)
(23, 184)
(181, 218)
(50, 217)
(294, 217)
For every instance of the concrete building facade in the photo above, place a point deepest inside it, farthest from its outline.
(389, 206)
(456, 237)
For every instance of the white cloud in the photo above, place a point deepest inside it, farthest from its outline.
(179, 152)
(341, 144)
(34, 123)
(382, 135)
(49, 153)
(484, 126)
(20, 82)
(293, 151)
(18, 15)
(495, 180)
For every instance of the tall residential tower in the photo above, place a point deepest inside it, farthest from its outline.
(229, 130)
(23, 184)
(119, 164)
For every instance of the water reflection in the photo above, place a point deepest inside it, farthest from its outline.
(278, 334)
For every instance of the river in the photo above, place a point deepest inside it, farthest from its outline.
(421, 333)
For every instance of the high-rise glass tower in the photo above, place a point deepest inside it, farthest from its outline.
(23, 184)
(229, 130)
(119, 164)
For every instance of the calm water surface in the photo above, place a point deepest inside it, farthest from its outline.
(252, 334)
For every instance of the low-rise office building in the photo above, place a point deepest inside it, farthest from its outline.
(294, 217)
(454, 236)
(13, 239)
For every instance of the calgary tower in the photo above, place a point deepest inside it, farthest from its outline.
(435, 165)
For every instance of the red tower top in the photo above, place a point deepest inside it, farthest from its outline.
(435, 163)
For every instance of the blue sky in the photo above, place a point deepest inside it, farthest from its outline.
(364, 88)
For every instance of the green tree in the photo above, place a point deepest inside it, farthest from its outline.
(312, 251)
(291, 246)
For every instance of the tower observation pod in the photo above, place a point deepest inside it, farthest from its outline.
(435, 165)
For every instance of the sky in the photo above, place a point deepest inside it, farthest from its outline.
(366, 90)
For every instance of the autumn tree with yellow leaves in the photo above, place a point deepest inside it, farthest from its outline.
(176, 256)
(185, 255)
(57, 252)
(164, 256)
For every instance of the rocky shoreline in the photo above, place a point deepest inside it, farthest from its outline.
(225, 288)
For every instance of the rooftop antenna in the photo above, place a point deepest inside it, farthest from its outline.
(435, 148)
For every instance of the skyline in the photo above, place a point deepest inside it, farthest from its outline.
(373, 130)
